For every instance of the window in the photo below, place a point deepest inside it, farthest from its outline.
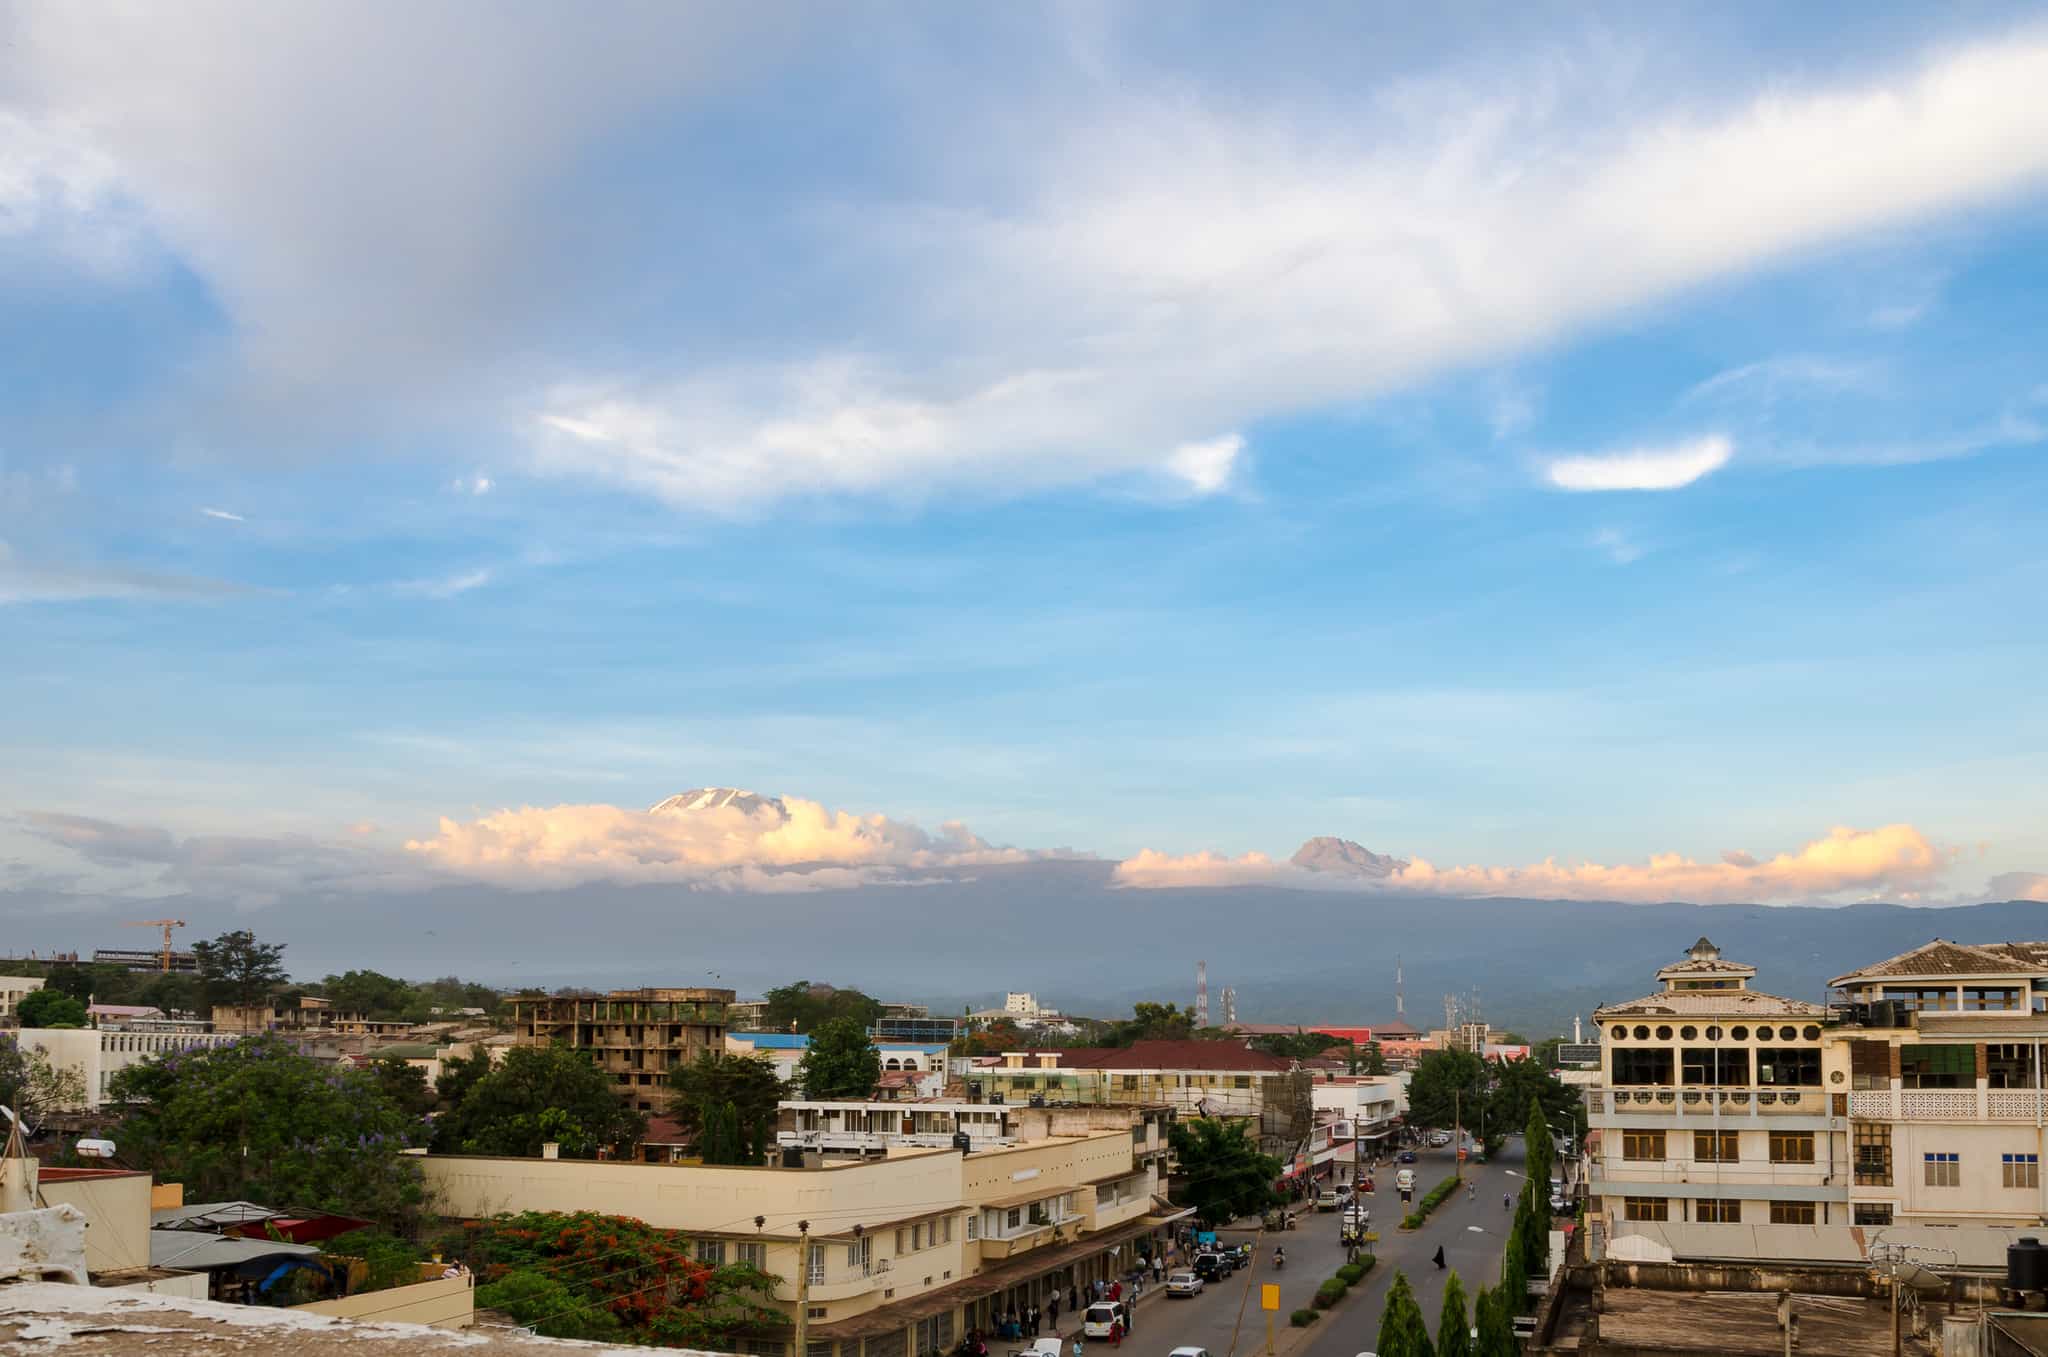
(1798, 1066)
(1642, 1032)
(974, 1227)
(1988, 998)
(1873, 1155)
(1713, 1034)
(1870, 1064)
(1792, 1213)
(1663, 1034)
(1716, 1065)
(1739, 1033)
(858, 1253)
(945, 1231)
(815, 1312)
(902, 1240)
(752, 1255)
(817, 1268)
(1243, 1081)
(1642, 1144)
(917, 1236)
(1013, 1218)
(1944, 1170)
(1643, 1067)
(2021, 1170)
(1870, 1213)
(711, 1252)
(2009, 1065)
(1791, 1147)
(1937, 1066)
(1916, 1000)
(1715, 1147)
(1688, 1033)
(1647, 1208)
(1717, 1211)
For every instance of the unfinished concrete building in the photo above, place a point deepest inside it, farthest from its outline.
(636, 1035)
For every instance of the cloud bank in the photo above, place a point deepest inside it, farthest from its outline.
(1896, 862)
(1669, 468)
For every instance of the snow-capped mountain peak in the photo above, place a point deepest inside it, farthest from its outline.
(720, 798)
(1327, 853)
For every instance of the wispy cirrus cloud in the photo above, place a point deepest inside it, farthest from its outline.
(224, 515)
(28, 581)
(1671, 467)
(447, 586)
(1770, 377)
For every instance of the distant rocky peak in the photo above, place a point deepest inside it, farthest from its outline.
(700, 799)
(1326, 853)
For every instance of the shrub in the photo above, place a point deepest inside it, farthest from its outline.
(1364, 1265)
(1329, 1293)
(1411, 1222)
(1301, 1319)
(1431, 1199)
(1350, 1273)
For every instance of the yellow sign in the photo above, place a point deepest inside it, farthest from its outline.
(1372, 1236)
(1269, 1297)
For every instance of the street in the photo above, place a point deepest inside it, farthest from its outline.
(1314, 1253)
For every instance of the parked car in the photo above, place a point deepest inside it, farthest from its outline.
(1096, 1322)
(1329, 1199)
(1440, 1138)
(1215, 1266)
(1189, 1352)
(1040, 1347)
(1184, 1283)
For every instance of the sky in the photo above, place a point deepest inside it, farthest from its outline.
(1575, 451)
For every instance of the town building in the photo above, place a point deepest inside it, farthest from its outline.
(636, 1035)
(13, 989)
(1195, 1078)
(1940, 1051)
(925, 1030)
(300, 1015)
(860, 1128)
(147, 960)
(1712, 1107)
(900, 1255)
(97, 1054)
(785, 1051)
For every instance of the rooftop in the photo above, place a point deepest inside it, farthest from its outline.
(1942, 957)
(1747, 1003)
(1743, 1324)
(111, 1323)
(1175, 1055)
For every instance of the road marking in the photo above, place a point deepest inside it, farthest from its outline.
(1476, 1229)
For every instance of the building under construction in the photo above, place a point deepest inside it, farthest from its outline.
(152, 959)
(636, 1035)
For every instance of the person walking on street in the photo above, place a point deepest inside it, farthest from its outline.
(1116, 1334)
(1052, 1310)
(1507, 1201)
(1439, 1260)
(1077, 1345)
(1073, 1300)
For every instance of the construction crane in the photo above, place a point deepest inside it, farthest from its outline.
(166, 925)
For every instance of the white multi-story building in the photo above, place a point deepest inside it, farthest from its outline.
(13, 989)
(100, 1053)
(1020, 1005)
(1940, 1050)
(1711, 1106)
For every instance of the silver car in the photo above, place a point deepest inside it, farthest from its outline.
(1183, 1283)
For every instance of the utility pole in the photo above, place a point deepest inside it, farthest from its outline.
(1458, 1133)
(803, 1287)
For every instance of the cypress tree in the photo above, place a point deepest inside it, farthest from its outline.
(1453, 1328)
(1402, 1331)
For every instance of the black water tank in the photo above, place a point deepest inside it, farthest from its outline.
(792, 1157)
(2026, 1265)
(962, 1142)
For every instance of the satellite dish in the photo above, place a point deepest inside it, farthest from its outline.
(1915, 1276)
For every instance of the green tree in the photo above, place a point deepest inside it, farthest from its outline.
(1402, 1331)
(50, 1008)
(807, 1007)
(1371, 1060)
(747, 1085)
(1447, 1086)
(840, 1063)
(1224, 1175)
(405, 1085)
(1299, 1045)
(1150, 1022)
(1454, 1325)
(236, 969)
(1520, 1085)
(380, 996)
(33, 1087)
(1495, 1316)
(258, 1121)
(537, 1095)
(536, 1300)
(76, 981)
(173, 993)
(459, 1074)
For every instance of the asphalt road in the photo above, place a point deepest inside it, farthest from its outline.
(1163, 1323)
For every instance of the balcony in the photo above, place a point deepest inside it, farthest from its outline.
(1949, 1104)
(1707, 1102)
(874, 1142)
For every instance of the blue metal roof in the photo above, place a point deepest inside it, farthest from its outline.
(775, 1041)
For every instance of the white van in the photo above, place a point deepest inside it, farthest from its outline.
(1095, 1323)
(1405, 1180)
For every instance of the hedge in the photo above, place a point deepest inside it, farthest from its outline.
(1432, 1199)
(1329, 1293)
(1350, 1274)
(1301, 1319)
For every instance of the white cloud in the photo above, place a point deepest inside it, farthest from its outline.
(1618, 546)
(24, 581)
(1659, 468)
(478, 484)
(1896, 861)
(1207, 466)
(223, 514)
(1770, 376)
(447, 586)
(1158, 263)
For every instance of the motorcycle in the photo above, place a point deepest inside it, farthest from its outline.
(1279, 1259)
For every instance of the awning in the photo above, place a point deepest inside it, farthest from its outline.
(194, 1251)
(210, 1216)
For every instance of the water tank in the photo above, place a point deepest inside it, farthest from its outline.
(792, 1156)
(2026, 1265)
(962, 1142)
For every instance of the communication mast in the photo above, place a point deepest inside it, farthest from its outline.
(1229, 1005)
(1400, 1009)
(1201, 994)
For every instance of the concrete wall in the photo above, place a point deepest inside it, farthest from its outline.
(189, 1285)
(444, 1303)
(15, 988)
(116, 1207)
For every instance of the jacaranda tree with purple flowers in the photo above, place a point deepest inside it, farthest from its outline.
(260, 1121)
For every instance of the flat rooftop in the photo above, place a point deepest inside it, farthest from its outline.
(1733, 1324)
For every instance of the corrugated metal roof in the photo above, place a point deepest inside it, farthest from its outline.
(1174, 1055)
(1942, 957)
(1733, 1003)
(197, 1251)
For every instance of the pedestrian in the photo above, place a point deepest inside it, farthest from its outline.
(1077, 1345)
(1073, 1300)
(1116, 1290)
(1507, 1202)
(1052, 1311)
(1116, 1334)
(1439, 1257)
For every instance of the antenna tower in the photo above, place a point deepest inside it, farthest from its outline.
(1400, 1007)
(1229, 1005)
(1201, 994)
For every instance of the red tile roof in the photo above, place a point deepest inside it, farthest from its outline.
(1174, 1055)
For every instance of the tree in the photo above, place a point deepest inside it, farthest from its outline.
(369, 992)
(1224, 1175)
(50, 1008)
(537, 1095)
(77, 981)
(1454, 1326)
(806, 1007)
(405, 1085)
(257, 1121)
(1371, 1060)
(999, 1036)
(236, 969)
(1495, 1316)
(747, 1086)
(173, 993)
(1447, 1086)
(1402, 1331)
(1524, 1084)
(840, 1063)
(1299, 1045)
(34, 1088)
(1150, 1022)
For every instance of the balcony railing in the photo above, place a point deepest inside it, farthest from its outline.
(1949, 1104)
(1618, 1176)
(1708, 1102)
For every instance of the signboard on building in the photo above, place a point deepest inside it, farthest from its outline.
(1579, 1053)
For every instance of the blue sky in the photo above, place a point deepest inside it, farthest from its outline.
(1561, 439)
